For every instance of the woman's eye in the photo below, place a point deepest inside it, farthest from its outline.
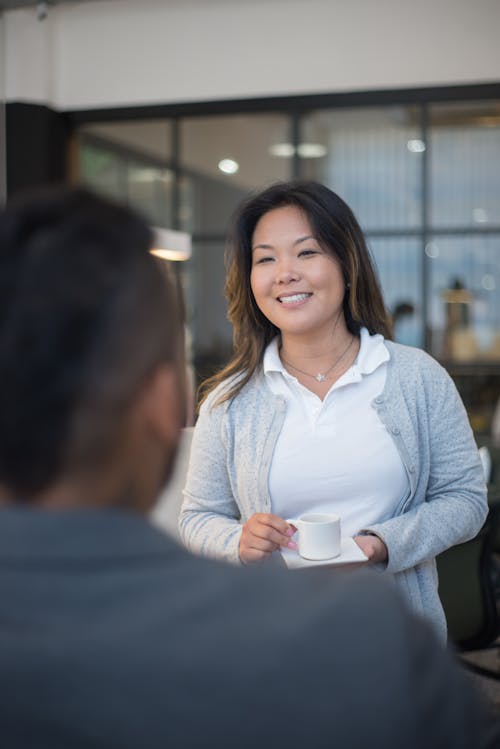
(262, 260)
(308, 252)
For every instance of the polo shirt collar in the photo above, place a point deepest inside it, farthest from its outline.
(372, 354)
(271, 361)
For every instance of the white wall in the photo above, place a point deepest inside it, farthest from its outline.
(124, 52)
(31, 64)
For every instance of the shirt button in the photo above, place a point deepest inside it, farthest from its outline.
(395, 430)
(379, 399)
(412, 469)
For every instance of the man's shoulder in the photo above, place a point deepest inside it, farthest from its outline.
(308, 599)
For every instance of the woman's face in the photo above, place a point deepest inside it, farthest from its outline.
(296, 284)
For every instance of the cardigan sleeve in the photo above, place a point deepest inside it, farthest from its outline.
(451, 505)
(209, 518)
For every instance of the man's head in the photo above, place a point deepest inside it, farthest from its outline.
(90, 352)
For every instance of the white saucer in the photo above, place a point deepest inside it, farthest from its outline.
(349, 554)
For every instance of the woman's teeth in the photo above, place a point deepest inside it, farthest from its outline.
(293, 298)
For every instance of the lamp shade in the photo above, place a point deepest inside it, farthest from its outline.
(170, 244)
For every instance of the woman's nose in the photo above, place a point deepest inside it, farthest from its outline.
(286, 272)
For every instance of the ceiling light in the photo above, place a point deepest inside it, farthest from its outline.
(150, 174)
(304, 150)
(282, 150)
(432, 250)
(228, 166)
(311, 150)
(171, 245)
(415, 145)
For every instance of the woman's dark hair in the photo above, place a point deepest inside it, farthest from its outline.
(86, 314)
(338, 232)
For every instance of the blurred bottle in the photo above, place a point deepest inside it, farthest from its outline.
(459, 340)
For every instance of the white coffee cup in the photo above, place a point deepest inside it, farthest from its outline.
(319, 535)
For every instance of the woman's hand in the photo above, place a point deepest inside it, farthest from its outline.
(262, 534)
(373, 547)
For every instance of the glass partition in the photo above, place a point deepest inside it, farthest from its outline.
(372, 157)
(211, 332)
(399, 266)
(464, 140)
(102, 169)
(130, 161)
(226, 157)
(465, 298)
(463, 250)
(422, 178)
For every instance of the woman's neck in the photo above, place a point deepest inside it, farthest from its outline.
(317, 362)
(315, 347)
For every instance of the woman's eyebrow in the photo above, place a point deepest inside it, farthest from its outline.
(304, 239)
(297, 241)
(262, 247)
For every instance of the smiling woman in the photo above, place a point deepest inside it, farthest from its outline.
(319, 411)
(300, 288)
(321, 227)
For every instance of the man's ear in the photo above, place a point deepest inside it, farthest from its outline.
(164, 403)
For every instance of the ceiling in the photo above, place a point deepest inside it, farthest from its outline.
(13, 4)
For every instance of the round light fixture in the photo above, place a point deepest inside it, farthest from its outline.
(432, 250)
(228, 166)
(415, 145)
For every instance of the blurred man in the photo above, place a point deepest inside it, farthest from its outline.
(110, 635)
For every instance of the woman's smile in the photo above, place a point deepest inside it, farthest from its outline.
(293, 300)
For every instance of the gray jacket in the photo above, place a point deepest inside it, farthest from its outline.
(446, 504)
(112, 637)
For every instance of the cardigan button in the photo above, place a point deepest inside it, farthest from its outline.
(395, 430)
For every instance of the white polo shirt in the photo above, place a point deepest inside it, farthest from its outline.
(335, 455)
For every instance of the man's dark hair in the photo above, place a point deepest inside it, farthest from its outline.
(86, 314)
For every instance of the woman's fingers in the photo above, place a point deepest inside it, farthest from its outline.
(373, 547)
(262, 534)
(250, 556)
(271, 528)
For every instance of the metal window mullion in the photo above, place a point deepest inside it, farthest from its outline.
(175, 197)
(295, 126)
(426, 197)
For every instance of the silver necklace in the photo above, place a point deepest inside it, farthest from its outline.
(321, 376)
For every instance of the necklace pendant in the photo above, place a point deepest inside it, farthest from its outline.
(320, 377)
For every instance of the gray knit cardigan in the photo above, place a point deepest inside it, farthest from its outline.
(233, 445)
